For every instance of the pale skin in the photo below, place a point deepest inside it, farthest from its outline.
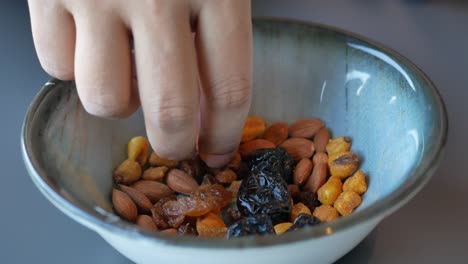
(194, 89)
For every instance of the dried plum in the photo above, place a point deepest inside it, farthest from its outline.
(253, 225)
(304, 220)
(275, 161)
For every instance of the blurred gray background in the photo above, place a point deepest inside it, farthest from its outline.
(432, 228)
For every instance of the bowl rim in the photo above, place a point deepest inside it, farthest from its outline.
(98, 221)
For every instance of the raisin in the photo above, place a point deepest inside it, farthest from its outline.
(243, 170)
(208, 179)
(309, 199)
(187, 229)
(234, 215)
(276, 161)
(194, 167)
(175, 221)
(253, 225)
(264, 190)
(304, 220)
(159, 219)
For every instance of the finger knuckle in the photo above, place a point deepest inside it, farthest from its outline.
(171, 114)
(230, 93)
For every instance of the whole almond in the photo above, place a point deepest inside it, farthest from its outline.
(250, 146)
(140, 200)
(170, 231)
(302, 171)
(124, 206)
(321, 139)
(181, 182)
(146, 222)
(277, 133)
(317, 178)
(226, 176)
(305, 128)
(127, 172)
(155, 173)
(152, 189)
(235, 162)
(299, 148)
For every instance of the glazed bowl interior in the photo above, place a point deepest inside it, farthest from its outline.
(383, 102)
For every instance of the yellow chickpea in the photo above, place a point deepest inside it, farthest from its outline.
(326, 213)
(338, 145)
(138, 149)
(347, 202)
(329, 192)
(343, 164)
(155, 160)
(127, 172)
(356, 183)
(298, 209)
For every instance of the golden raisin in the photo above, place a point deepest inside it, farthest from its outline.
(329, 192)
(337, 145)
(326, 213)
(347, 202)
(138, 149)
(298, 209)
(253, 128)
(127, 172)
(356, 183)
(211, 225)
(155, 160)
(155, 173)
(282, 227)
(343, 164)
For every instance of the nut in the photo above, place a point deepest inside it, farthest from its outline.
(282, 227)
(302, 171)
(326, 213)
(329, 192)
(181, 182)
(124, 205)
(320, 157)
(155, 173)
(170, 231)
(298, 209)
(250, 146)
(347, 202)
(152, 189)
(235, 162)
(141, 201)
(305, 128)
(299, 148)
(321, 139)
(127, 172)
(343, 164)
(138, 149)
(211, 225)
(155, 161)
(226, 176)
(317, 178)
(146, 222)
(277, 133)
(356, 183)
(337, 145)
(253, 128)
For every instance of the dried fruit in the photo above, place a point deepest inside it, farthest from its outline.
(337, 145)
(226, 176)
(319, 172)
(152, 189)
(208, 180)
(281, 228)
(347, 202)
(304, 220)
(187, 229)
(127, 172)
(141, 201)
(158, 219)
(302, 171)
(234, 188)
(155, 173)
(195, 167)
(275, 161)
(277, 133)
(356, 183)
(146, 222)
(124, 205)
(181, 182)
(305, 128)
(298, 209)
(309, 199)
(326, 213)
(293, 190)
(155, 161)
(253, 128)
(299, 148)
(138, 149)
(343, 164)
(253, 225)
(329, 192)
(211, 225)
(235, 162)
(175, 220)
(321, 140)
(250, 146)
(234, 215)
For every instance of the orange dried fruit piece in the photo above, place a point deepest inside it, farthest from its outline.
(253, 128)
(282, 227)
(298, 209)
(155, 160)
(211, 225)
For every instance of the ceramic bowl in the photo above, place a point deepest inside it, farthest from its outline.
(361, 89)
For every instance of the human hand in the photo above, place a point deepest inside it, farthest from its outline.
(194, 91)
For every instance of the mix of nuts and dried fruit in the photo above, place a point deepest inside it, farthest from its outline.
(277, 182)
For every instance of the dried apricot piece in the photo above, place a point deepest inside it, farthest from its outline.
(211, 225)
(253, 128)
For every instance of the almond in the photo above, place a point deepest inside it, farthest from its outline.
(299, 148)
(170, 231)
(140, 200)
(155, 174)
(250, 146)
(181, 182)
(305, 128)
(152, 189)
(235, 162)
(302, 171)
(226, 176)
(317, 178)
(146, 222)
(277, 133)
(321, 139)
(124, 205)
(253, 128)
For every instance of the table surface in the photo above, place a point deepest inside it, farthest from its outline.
(431, 228)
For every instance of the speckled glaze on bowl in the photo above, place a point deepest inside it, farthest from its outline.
(385, 103)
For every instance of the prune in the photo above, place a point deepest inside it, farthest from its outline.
(308, 198)
(264, 190)
(234, 215)
(275, 161)
(304, 220)
(253, 225)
